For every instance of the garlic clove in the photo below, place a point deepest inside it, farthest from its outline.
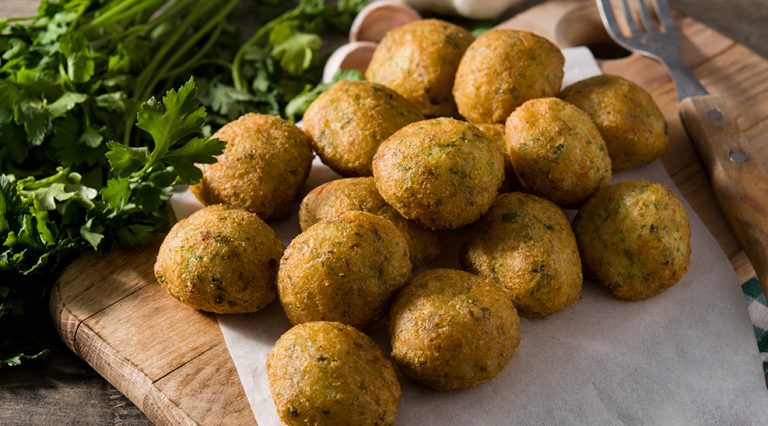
(355, 55)
(486, 9)
(472, 9)
(379, 17)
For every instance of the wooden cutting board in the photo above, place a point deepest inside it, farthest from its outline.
(172, 362)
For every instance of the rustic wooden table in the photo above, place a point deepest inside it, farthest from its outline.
(65, 390)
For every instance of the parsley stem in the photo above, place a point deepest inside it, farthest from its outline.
(148, 9)
(80, 11)
(176, 8)
(28, 184)
(161, 55)
(110, 4)
(18, 18)
(142, 89)
(188, 45)
(239, 80)
(240, 83)
(220, 62)
(194, 61)
(114, 14)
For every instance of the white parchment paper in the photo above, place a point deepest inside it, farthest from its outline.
(686, 356)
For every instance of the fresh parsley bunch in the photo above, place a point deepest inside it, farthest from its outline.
(45, 221)
(73, 78)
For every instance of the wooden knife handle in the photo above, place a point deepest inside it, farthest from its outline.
(739, 182)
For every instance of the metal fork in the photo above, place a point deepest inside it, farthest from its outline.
(739, 182)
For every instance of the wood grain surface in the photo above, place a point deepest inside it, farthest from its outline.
(172, 362)
(738, 180)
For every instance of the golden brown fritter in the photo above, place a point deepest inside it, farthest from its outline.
(501, 70)
(452, 330)
(557, 151)
(443, 173)
(525, 245)
(629, 120)
(331, 199)
(266, 161)
(495, 132)
(634, 239)
(345, 269)
(349, 121)
(220, 260)
(328, 373)
(419, 61)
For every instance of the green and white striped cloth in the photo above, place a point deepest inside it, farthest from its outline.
(758, 313)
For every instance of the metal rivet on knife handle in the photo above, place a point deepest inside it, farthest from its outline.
(737, 156)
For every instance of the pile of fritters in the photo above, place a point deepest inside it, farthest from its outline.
(450, 134)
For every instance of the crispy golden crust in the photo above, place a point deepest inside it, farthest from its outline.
(330, 200)
(525, 245)
(629, 120)
(220, 260)
(452, 330)
(501, 70)
(495, 132)
(327, 373)
(419, 61)
(345, 270)
(634, 239)
(349, 121)
(557, 151)
(266, 161)
(443, 173)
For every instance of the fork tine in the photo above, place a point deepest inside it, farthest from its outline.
(633, 28)
(645, 17)
(664, 15)
(609, 19)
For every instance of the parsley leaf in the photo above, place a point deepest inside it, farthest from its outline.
(294, 49)
(125, 160)
(15, 358)
(282, 60)
(298, 105)
(66, 102)
(196, 151)
(44, 221)
(178, 116)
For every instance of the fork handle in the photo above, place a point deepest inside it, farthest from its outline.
(739, 182)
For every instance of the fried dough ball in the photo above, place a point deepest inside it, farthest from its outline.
(634, 239)
(495, 132)
(345, 269)
(265, 163)
(349, 121)
(443, 173)
(557, 151)
(331, 199)
(501, 70)
(629, 120)
(419, 61)
(220, 260)
(525, 245)
(328, 373)
(452, 330)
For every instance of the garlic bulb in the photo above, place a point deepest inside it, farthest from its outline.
(473, 9)
(379, 17)
(355, 56)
